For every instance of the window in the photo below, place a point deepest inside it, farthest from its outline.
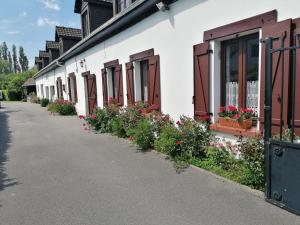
(42, 90)
(120, 5)
(141, 80)
(52, 92)
(240, 58)
(72, 84)
(112, 83)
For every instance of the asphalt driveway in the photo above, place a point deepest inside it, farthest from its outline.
(52, 172)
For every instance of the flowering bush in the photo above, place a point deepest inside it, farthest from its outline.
(235, 113)
(143, 134)
(102, 119)
(195, 136)
(62, 107)
(170, 142)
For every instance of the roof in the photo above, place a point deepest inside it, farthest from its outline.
(43, 54)
(78, 3)
(73, 33)
(29, 82)
(133, 14)
(37, 60)
(52, 45)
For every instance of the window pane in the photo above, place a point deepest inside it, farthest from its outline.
(144, 80)
(232, 62)
(115, 85)
(252, 48)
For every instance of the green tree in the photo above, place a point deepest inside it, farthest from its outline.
(4, 51)
(23, 59)
(10, 62)
(16, 66)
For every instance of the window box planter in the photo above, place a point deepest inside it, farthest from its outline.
(234, 123)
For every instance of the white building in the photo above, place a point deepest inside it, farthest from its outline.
(190, 57)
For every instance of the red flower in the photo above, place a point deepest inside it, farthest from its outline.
(179, 142)
(232, 108)
(81, 117)
(222, 109)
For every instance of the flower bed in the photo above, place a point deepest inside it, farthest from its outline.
(186, 142)
(236, 118)
(62, 107)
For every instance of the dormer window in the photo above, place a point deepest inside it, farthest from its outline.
(93, 14)
(120, 5)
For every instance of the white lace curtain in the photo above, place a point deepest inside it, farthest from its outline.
(232, 92)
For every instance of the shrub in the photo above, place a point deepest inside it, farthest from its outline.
(219, 156)
(62, 107)
(159, 122)
(118, 128)
(170, 142)
(195, 136)
(252, 152)
(34, 98)
(102, 119)
(143, 134)
(130, 116)
(14, 95)
(44, 102)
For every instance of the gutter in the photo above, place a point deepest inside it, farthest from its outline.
(130, 16)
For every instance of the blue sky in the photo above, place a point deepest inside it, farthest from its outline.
(31, 22)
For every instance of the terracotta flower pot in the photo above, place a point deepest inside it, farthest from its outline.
(229, 122)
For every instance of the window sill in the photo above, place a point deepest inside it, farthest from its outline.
(235, 131)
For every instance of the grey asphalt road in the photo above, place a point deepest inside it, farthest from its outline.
(52, 172)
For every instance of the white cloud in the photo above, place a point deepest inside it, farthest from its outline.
(51, 4)
(23, 14)
(12, 32)
(43, 21)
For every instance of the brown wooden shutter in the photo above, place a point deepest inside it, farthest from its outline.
(75, 89)
(104, 87)
(276, 31)
(130, 83)
(119, 79)
(154, 81)
(201, 80)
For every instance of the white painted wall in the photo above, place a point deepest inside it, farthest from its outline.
(172, 34)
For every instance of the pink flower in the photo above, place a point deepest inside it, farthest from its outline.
(212, 143)
(179, 142)
(94, 116)
(178, 123)
(231, 108)
(222, 109)
(81, 117)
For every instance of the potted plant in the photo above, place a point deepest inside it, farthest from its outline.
(236, 118)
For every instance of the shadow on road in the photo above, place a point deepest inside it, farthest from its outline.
(5, 140)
